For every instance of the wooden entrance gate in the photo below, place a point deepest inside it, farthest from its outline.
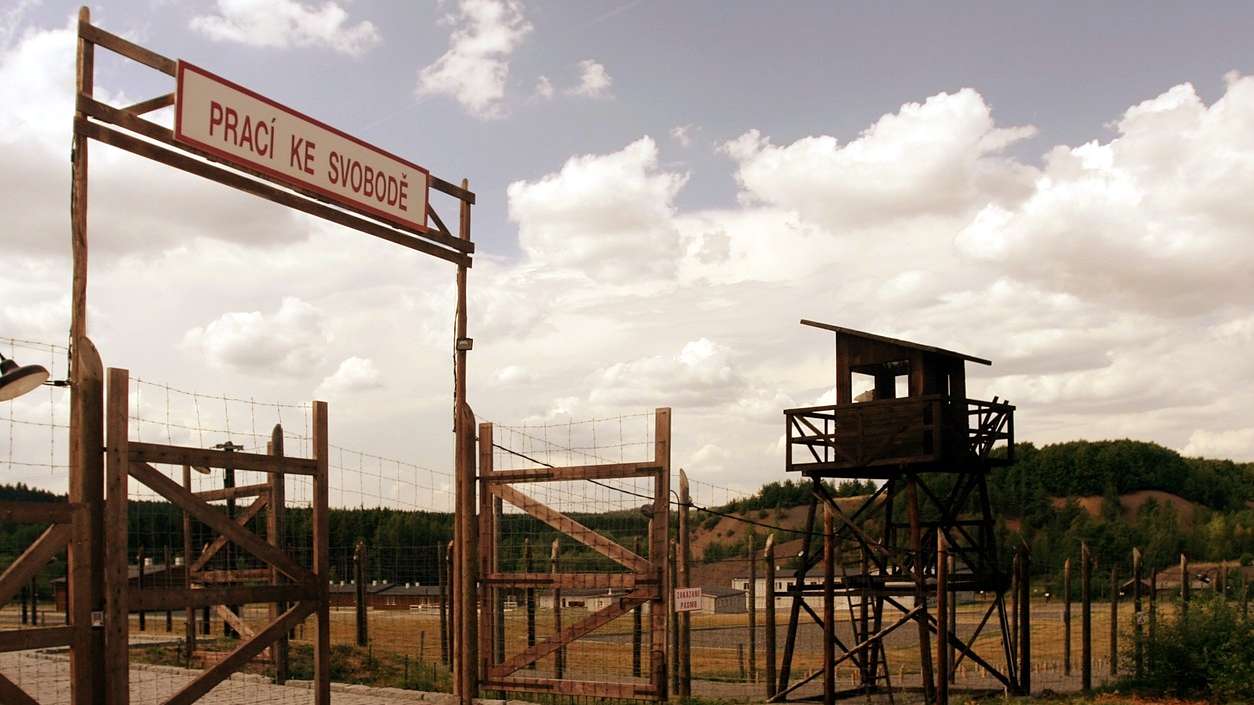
(294, 591)
(640, 581)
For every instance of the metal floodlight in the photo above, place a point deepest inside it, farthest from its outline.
(16, 380)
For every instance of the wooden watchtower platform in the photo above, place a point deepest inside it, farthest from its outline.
(902, 417)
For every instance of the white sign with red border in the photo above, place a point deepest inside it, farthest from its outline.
(249, 130)
(687, 599)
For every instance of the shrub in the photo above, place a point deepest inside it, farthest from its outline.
(1207, 653)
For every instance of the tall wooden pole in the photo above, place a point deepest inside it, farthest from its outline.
(752, 608)
(685, 580)
(920, 587)
(116, 617)
(659, 534)
(942, 618)
(1114, 620)
(359, 592)
(276, 534)
(637, 626)
(555, 567)
(321, 552)
(768, 558)
(1086, 619)
(466, 661)
(1066, 617)
(829, 608)
(673, 617)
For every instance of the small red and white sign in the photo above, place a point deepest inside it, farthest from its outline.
(687, 599)
(249, 130)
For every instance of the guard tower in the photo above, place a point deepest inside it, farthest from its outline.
(902, 417)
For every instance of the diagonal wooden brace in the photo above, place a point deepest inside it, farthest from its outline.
(594, 621)
(212, 549)
(21, 571)
(574, 529)
(11, 694)
(220, 522)
(242, 654)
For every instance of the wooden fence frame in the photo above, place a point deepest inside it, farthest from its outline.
(301, 591)
(647, 581)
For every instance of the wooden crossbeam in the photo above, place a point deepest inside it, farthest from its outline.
(209, 457)
(234, 492)
(220, 522)
(574, 581)
(235, 621)
(19, 573)
(592, 689)
(37, 512)
(129, 49)
(38, 638)
(11, 694)
(147, 106)
(572, 528)
(242, 654)
(157, 599)
(607, 471)
(594, 621)
(218, 542)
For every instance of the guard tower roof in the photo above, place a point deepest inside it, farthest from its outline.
(893, 341)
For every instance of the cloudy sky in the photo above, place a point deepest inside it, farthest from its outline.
(664, 190)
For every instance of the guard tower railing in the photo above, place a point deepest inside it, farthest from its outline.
(875, 438)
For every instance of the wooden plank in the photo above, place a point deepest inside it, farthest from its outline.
(154, 599)
(11, 694)
(276, 530)
(238, 575)
(130, 50)
(239, 625)
(37, 512)
(236, 180)
(209, 457)
(134, 123)
(21, 571)
(233, 492)
(594, 621)
(219, 522)
(241, 655)
(461, 193)
(147, 106)
(42, 638)
(117, 616)
(321, 553)
(572, 528)
(590, 689)
(607, 471)
(216, 545)
(575, 581)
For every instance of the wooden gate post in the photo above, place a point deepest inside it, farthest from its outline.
(1086, 619)
(768, 556)
(321, 553)
(752, 607)
(276, 534)
(117, 617)
(85, 579)
(659, 536)
(359, 592)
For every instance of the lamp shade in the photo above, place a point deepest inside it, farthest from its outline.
(16, 380)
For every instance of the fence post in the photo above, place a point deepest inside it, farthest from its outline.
(85, 577)
(942, 618)
(559, 659)
(441, 569)
(1153, 603)
(1114, 619)
(1066, 617)
(637, 627)
(1086, 619)
(752, 608)
(276, 532)
(1025, 619)
(768, 557)
(139, 584)
(1184, 585)
(450, 605)
(530, 597)
(684, 563)
(321, 520)
(673, 620)
(359, 581)
(1138, 647)
(189, 615)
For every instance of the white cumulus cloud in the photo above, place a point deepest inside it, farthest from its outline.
(290, 341)
(594, 80)
(280, 24)
(353, 375)
(475, 68)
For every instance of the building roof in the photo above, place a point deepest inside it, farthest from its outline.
(719, 591)
(397, 589)
(894, 341)
(372, 588)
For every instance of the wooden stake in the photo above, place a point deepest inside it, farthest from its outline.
(441, 562)
(1086, 619)
(659, 537)
(942, 618)
(768, 558)
(276, 532)
(752, 608)
(637, 627)
(1066, 617)
(359, 592)
(685, 580)
(86, 551)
